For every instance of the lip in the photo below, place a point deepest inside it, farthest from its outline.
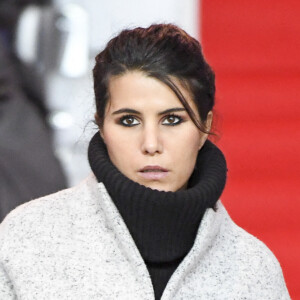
(153, 172)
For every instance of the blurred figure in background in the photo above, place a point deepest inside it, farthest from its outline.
(28, 166)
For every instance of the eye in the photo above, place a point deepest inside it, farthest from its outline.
(172, 120)
(129, 121)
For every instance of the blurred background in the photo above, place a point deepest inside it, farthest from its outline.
(47, 51)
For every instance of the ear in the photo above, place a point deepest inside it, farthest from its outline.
(209, 120)
(208, 124)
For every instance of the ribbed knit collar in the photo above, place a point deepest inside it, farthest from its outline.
(162, 224)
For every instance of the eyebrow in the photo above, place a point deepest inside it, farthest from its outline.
(126, 110)
(167, 111)
(133, 111)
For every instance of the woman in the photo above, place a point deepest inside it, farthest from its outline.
(147, 224)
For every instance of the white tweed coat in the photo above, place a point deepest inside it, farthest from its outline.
(75, 245)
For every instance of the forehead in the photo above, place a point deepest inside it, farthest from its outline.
(139, 91)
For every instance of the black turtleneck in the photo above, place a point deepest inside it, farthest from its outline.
(162, 224)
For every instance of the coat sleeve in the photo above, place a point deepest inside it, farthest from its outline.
(6, 287)
(280, 290)
(268, 280)
(7, 291)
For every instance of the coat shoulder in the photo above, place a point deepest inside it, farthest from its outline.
(51, 211)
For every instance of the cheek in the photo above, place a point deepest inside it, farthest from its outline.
(185, 151)
(188, 143)
(119, 150)
(193, 145)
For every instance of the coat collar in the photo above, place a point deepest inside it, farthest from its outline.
(207, 232)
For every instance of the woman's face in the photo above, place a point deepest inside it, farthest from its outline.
(149, 135)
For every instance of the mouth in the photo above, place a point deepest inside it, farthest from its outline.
(153, 172)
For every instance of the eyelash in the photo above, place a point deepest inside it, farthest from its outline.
(180, 119)
(126, 117)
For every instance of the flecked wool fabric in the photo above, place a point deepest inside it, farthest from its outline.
(75, 245)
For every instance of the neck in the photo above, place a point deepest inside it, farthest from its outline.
(162, 224)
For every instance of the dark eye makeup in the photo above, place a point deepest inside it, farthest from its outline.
(128, 121)
(167, 120)
(172, 120)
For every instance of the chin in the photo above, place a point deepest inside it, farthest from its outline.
(159, 187)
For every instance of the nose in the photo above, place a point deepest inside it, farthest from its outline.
(151, 141)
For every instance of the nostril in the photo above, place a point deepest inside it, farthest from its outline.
(152, 148)
(151, 143)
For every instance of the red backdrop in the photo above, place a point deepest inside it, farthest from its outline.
(254, 48)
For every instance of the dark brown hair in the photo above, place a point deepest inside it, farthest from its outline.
(162, 51)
